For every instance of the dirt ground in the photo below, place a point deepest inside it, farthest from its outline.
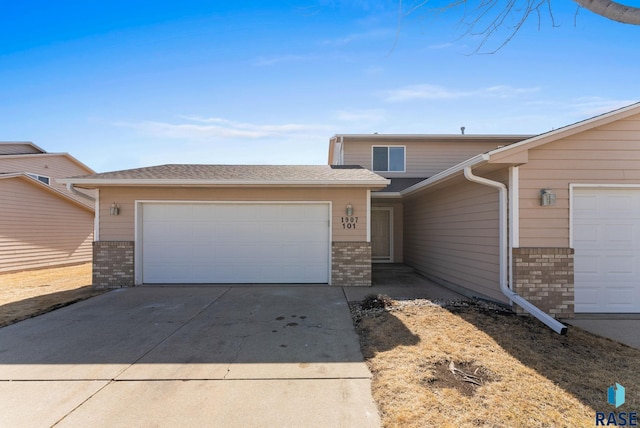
(469, 364)
(30, 293)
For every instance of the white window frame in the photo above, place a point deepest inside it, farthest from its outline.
(39, 178)
(404, 158)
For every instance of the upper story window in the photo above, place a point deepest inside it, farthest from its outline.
(42, 178)
(389, 158)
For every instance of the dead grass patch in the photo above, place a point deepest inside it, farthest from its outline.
(30, 293)
(518, 372)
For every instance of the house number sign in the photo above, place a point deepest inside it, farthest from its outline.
(349, 222)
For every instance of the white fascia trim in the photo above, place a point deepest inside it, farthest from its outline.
(514, 206)
(573, 186)
(448, 173)
(225, 183)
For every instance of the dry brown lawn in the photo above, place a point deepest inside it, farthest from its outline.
(30, 293)
(508, 370)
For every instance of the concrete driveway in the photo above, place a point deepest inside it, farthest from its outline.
(189, 356)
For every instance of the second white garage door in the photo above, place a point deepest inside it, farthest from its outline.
(235, 242)
(606, 239)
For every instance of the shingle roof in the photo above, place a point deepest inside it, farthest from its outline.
(234, 174)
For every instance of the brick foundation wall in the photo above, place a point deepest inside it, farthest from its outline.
(351, 264)
(544, 276)
(113, 264)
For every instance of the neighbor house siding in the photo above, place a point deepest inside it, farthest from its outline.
(452, 236)
(423, 159)
(39, 229)
(605, 155)
(17, 149)
(50, 165)
(121, 227)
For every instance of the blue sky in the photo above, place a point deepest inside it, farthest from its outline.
(140, 83)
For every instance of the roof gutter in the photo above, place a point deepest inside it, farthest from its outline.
(73, 190)
(505, 260)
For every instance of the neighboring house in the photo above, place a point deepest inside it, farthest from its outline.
(42, 224)
(554, 217)
(182, 224)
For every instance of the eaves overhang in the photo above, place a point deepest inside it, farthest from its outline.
(94, 183)
(446, 174)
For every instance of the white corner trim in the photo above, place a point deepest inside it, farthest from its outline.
(368, 215)
(96, 218)
(514, 206)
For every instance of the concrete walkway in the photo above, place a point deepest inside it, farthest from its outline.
(189, 356)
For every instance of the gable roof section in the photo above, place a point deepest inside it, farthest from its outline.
(45, 188)
(19, 148)
(504, 153)
(44, 154)
(516, 153)
(234, 175)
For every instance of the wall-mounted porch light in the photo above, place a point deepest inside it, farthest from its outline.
(349, 209)
(547, 197)
(114, 209)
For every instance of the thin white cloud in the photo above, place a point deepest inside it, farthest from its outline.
(373, 115)
(207, 128)
(266, 61)
(365, 36)
(435, 92)
(594, 106)
(440, 46)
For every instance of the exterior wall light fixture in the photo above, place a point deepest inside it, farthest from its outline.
(547, 197)
(114, 209)
(349, 209)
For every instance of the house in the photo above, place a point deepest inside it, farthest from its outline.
(42, 224)
(552, 219)
(182, 224)
(549, 222)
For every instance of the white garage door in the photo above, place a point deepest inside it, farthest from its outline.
(606, 239)
(235, 243)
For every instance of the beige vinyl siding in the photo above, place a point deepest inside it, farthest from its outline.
(49, 165)
(39, 229)
(121, 228)
(17, 148)
(606, 155)
(452, 235)
(398, 229)
(423, 159)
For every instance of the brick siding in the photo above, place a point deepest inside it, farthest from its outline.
(351, 264)
(544, 276)
(113, 264)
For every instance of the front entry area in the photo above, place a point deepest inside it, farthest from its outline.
(237, 242)
(381, 234)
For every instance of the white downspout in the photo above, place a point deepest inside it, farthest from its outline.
(73, 190)
(551, 322)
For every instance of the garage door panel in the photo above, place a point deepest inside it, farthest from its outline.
(607, 250)
(235, 243)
